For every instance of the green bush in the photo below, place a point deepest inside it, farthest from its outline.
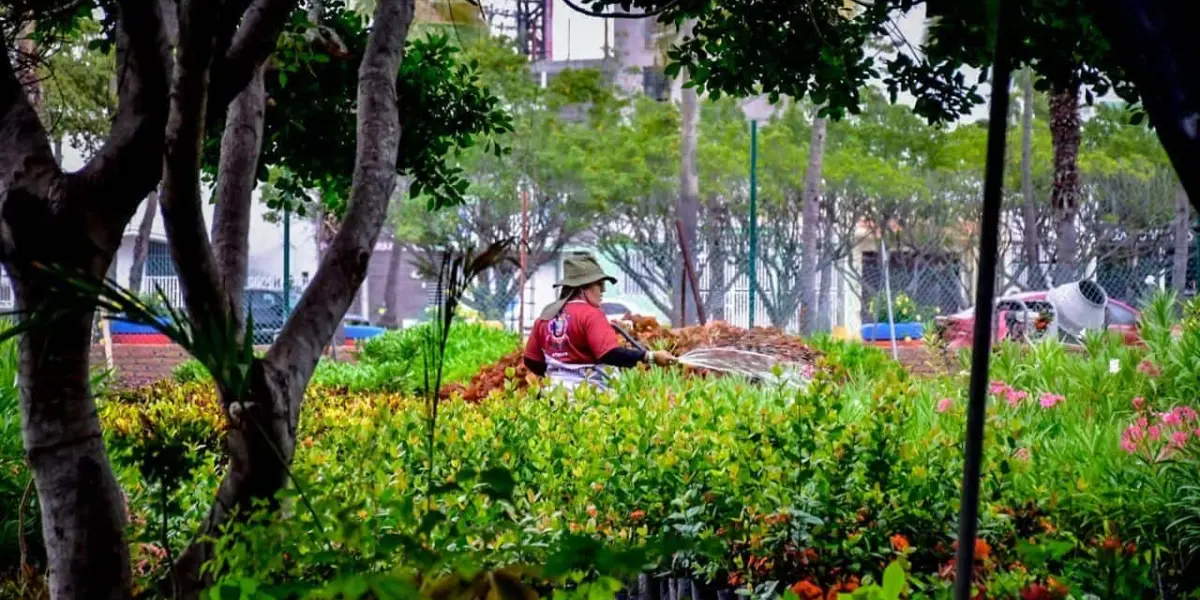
(822, 487)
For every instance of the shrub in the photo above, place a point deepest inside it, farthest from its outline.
(763, 485)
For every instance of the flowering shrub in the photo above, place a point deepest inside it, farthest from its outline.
(1157, 438)
(757, 488)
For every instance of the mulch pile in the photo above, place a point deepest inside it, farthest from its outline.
(772, 342)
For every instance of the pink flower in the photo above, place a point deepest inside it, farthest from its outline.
(999, 387)
(1022, 454)
(1128, 445)
(1051, 400)
(1142, 423)
(1186, 413)
(1138, 403)
(1149, 369)
(1155, 432)
(1172, 418)
(1179, 438)
(944, 405)
(1198, 433)
(1015, 397)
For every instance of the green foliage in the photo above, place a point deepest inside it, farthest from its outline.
(14, 474)
(309, 128)
(762, 487)
(393, 361)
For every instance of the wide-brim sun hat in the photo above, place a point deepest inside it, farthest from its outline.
(581, 269)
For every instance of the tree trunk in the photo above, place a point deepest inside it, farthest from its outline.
(812, 227)
(141, 243)
(688, 210)
(1029, 232)
(241, 145)
(263, 422)
(716, 256)
(825, 302)
(1065, 195)
(1183, 225)
(82, 506)
(391, 315)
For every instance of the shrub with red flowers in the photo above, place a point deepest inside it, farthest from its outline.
(1163, 436)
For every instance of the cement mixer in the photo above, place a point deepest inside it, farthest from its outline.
(1079, 306)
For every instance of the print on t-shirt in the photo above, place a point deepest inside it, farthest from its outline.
(556, 341)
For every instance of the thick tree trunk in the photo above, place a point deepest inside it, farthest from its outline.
(1182, 225)
(812, 226)
(76, 222)
(1029, 232)
(141, 243)
(82, 506)
(1065, 195)
(688, 210)
(391, 315)
(241, 145)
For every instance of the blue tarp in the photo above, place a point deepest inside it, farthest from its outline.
(872, 332)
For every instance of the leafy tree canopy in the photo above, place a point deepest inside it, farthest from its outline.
(829, 50)
(310, 122)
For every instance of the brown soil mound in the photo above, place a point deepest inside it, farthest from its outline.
(646, 329)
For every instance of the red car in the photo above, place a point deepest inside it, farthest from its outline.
(959, 328)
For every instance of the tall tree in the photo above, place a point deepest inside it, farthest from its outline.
(688, 208)
(1029, 210)
(812, 227)
(166, 103)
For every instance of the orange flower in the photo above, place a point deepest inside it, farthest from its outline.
(637, 515)
(982, 549)
(1111, 544)
(807, 590)
(1058, 588)
(900, 543)
(591, 510)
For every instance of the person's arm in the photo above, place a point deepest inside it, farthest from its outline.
(533, 356)
(536, 367)
(624, 358)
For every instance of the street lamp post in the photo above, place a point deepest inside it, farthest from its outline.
(756, 109)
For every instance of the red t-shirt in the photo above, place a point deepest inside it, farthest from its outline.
(580, 335)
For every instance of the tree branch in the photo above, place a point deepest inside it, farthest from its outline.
(27, 161)
(118, 173)
(344, 266)
(252, 44)
(241, 146)
(181, 208)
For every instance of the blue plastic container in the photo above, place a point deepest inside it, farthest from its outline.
(875, 332)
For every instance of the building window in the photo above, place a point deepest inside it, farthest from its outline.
(158, 261)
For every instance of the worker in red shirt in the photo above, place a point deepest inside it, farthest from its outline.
(572, 340)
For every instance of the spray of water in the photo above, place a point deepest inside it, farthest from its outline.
(753, 365)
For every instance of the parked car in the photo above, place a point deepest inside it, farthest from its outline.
(265, 307)
(959, 328)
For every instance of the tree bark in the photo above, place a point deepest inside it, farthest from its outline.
(825, 301)
(261, 439)
(241, 145)
(1065, 127)
(141, 243)
(688, 209)
(811, 227)
(1029, 233)
(1183, 225)
(391, 316)
(83, 513)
